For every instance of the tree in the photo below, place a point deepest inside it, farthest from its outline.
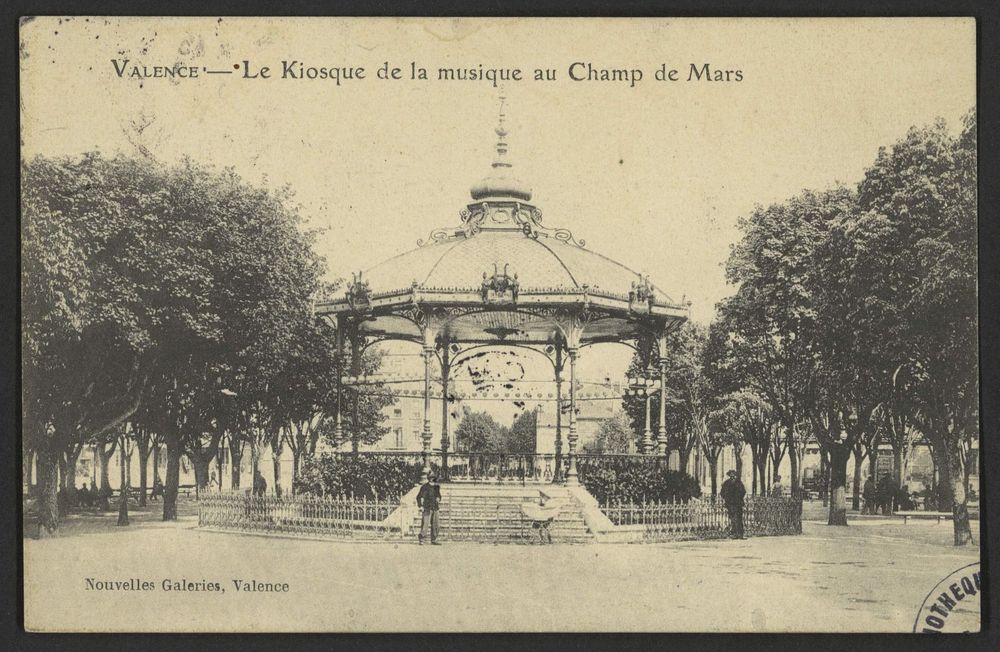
(914, 254)
(87, 338)
(751, 417)
(521, 436)
(477, 432)
(721, 430)
(773, 315)
(614, 435)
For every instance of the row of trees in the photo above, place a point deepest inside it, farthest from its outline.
(170, 307)
(853, 324)
(479, 432)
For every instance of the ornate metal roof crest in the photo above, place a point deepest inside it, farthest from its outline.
(496, 288)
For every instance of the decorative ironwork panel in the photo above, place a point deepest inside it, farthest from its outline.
(328, 516)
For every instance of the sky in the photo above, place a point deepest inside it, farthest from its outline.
(655, 175)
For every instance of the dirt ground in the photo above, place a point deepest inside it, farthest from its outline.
(870, 576)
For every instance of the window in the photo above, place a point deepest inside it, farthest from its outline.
(397, 413)
(399, 437)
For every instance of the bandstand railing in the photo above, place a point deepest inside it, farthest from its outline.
(514, 467)
(501, 467)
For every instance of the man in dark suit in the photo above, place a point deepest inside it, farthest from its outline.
(732, 493)
(429, 500)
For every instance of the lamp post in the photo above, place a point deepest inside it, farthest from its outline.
(645, 385)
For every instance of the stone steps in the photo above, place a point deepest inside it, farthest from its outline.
(492, 513)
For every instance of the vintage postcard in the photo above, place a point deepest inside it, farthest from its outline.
(494, 325)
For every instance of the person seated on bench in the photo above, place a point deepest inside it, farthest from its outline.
(157, 492)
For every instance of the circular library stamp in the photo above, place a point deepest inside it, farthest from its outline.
(953, 606)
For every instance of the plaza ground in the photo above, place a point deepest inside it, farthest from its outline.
(871, 576)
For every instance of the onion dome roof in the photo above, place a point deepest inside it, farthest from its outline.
(500, 183)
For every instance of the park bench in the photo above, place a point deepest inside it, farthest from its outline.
(134, 493)
(927, 515)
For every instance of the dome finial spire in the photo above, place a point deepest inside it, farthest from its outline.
(500, 184)
(501, 132)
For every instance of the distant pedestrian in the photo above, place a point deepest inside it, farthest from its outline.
(884, 493)
(868, 493)
(157, 492)
(83, 496)
(733, 493)
(259, 484)
(429, 501)
(777, 491)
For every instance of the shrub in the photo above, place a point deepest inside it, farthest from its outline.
(361, 476)
(638, 481)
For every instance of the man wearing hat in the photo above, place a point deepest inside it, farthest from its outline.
(429, 500)
(732, 493)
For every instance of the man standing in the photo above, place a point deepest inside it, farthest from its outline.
(259, 484)
(732, 493)
(777, 491)
(868, 493)
(429, 501)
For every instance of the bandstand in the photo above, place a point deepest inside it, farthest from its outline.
(502, 278)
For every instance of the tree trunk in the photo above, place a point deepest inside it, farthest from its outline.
(838, 484)
(72, 457)
(713, 469)
(793, 460)
(173, 479)
(61, 466)
(824, 468)
(68, 468)
(123, 488)
(142, 441)
(122, 465)
(236, 461)
(156, 464)
(762, 474)
(685, 457)
(254, 462)
(105, 458)
(296, 466)
(856, 497)
(48, 481)
(952, 485)
(897, 465)
(738, 460)
(753, 484)
(276, 451)
(200, 462)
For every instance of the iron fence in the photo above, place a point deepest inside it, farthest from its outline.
(501, 467)
(706, 519)
(334, 516)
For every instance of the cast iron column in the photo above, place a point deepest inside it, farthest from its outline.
(445, 443)
(571, 475)
(425, 436)
(558, 474)
(647, 434)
